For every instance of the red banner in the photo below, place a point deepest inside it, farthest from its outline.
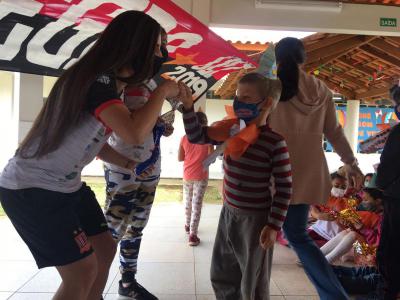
(46, 36)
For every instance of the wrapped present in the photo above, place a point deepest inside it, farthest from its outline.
(364, 254)
(349, 217)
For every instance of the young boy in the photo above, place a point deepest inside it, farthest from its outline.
(251, 216)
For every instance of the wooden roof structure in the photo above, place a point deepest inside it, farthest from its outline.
(355, 66)
(374, 2)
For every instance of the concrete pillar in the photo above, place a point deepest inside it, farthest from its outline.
(27, 102)
(352, 123)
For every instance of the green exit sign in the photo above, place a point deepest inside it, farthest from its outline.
(388, 22)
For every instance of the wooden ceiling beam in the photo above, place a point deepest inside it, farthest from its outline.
(327, 42)
(345, 92)
(338, 49)
(347, 78)
(381, 55)
(316, 64)
(394, 39)
(386, 47)
(355, 65)
(374, 92)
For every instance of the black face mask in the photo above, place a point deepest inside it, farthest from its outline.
(157, 64)
(159, 61)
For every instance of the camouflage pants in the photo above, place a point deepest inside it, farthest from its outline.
(127, 211)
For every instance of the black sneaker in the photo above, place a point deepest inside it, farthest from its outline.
(135, 291)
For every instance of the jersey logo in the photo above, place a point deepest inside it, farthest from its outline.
(82, 241)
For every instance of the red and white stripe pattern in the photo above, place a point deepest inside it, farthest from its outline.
(247, 180)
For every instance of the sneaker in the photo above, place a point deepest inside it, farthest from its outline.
(187, 229)
(135, 291)
(194, 240)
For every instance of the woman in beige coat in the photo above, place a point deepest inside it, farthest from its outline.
(304, 115)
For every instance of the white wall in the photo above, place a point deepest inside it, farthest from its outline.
(215, 110)
(354, 18)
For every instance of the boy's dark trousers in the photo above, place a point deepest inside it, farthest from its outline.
(388, 256)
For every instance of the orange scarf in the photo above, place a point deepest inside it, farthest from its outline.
(236, 145)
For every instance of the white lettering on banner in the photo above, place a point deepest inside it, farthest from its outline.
(194, 76)
(11, 46)
(36, 45)
(24, 7)
(188, 40)
(20, 32)
(73, 60)
(228, 63)
(178, 70)
(78, 21)
(199, 85)
(85, 29)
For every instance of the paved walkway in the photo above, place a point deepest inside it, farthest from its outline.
(168, 267)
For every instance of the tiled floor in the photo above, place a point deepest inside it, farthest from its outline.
(168, 267)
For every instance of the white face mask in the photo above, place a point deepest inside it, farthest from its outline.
(336, 192)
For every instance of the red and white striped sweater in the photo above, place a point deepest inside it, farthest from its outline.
(247, 180)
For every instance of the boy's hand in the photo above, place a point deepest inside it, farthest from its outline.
(185, 95)
(267, 237)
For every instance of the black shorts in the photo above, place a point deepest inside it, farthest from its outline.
(54, 225)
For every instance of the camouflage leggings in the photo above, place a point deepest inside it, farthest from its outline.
(127, 210)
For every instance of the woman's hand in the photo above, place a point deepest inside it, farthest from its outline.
(355, 177)
(267, 237)
(185, 95)
(170, 88)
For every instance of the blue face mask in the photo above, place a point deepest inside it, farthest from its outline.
(246, 111)
(366, 206)
(396, 111)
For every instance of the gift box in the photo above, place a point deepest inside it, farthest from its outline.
(364, 254)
